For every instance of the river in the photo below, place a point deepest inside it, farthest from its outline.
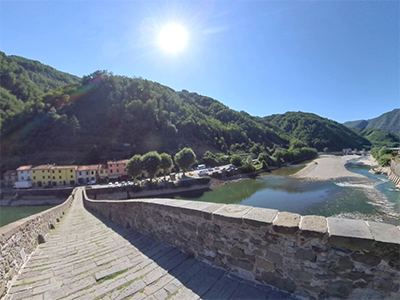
(9, 214)
(376, 199)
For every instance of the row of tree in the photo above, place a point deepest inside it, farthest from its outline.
(383, 155)
(152, 163)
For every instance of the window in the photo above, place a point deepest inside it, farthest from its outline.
(110, 171)
(49, 177)
(44, 177)
(59, 171)
(22, 178)
(42, 171)
(52, 171)
(60, 177)
(87, 172)
(72, 176)
(92, 172)
(71, 171)
(34, 177)
(97, 172)
(117, 170)
(80, 173)
(117, 165)
(54, 177)
(33, 171)
(101, 172)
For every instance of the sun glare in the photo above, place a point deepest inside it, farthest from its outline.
(172, 38)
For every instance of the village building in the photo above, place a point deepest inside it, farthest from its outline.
(41, 175)
(52, 175)
(24, 173)
(91, 173)
(117, 170)
(10, 177)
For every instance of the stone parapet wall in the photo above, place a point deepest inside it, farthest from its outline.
(19, 239)
(310, 256)
(394, 173)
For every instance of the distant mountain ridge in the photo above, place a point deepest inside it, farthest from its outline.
(389, 121)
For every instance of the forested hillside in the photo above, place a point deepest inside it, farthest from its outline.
(389, 121)
(379, 137)
(318, 132)
(52, 117)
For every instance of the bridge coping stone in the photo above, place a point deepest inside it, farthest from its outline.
(231, 213)
(258, 217)
(286, 222)
(386, 233)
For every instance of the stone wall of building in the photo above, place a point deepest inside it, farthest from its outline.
(19, 239)
(310, 256)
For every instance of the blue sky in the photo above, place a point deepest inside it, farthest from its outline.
(337, 59)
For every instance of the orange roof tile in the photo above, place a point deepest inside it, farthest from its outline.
(24, 168)
(43, 167)
(10, 173)
(91, 167)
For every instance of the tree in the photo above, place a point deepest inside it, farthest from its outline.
(236, 160)
(74, 123)
(151, 163)
(297, 144)
(256, 149)
(166, 163)
(247, 165)
(185, 159)
(134, 167)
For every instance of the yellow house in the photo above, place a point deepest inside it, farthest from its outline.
(64, 175)
(51, 175)
(42, 175)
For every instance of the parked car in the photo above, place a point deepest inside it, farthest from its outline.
(202, 172)
(117, 184)
(110, 184)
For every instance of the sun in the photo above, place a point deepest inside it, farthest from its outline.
(173, 38)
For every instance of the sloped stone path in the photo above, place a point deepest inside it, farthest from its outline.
(86, 257)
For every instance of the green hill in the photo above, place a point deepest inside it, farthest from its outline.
(53, 117)
(318, 132)
(379, 137)
(389, 121)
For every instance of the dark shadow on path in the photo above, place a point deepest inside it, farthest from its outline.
(205, 280)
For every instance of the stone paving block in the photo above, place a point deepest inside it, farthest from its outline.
(222, 289)
(47, 287)
(245, 291)
(133, 288)
(154, 275)
(109, 286)
(159, 284)
(81, 268)
(173, 286)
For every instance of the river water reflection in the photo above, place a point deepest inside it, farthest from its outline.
(373, 199)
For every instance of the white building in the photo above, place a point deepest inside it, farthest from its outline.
(24, 173)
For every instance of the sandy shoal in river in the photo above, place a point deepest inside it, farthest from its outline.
(328, 167)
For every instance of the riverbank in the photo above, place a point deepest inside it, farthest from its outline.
(329, 167)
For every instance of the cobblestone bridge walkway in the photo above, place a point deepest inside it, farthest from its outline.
(86, 257)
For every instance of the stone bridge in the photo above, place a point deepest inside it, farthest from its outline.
(175, 249)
